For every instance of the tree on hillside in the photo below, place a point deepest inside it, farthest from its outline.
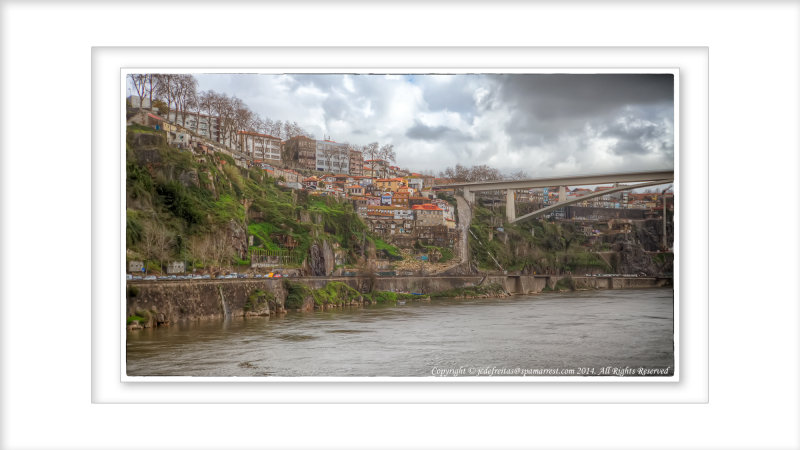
(157, 242)
(205, 104)
(153, 82)
(139, 81)
(475, 173)
(277, 129)
(518, 175)
(387, 154)
(186, 95)
(165, 91)
(371, 154)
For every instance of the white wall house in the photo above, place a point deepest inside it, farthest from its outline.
(333, 157)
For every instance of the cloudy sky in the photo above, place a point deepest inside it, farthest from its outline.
(544, 124)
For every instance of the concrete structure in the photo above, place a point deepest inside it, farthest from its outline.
(332, 157)
(649, 178)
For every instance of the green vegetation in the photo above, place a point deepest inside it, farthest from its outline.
(388, 251)
(335, 292)
(532, 245)
(474, 291)
(258, 300)
(139, 319)
(387, 297)
(296, 294)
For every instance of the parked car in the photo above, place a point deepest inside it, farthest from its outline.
(150, 277)
(128, 277)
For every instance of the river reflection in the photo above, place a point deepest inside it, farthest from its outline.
(580, 330)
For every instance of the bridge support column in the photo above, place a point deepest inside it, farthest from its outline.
(562, 193)
(469, 196)
(511, 212)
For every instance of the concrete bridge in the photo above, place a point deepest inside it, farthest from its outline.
(641, 179)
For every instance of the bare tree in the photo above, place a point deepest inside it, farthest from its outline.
(205, 103)
(387, 154)
(152, 86)
(186, 95)
(139, 82)
(165, 90)
(475, 173)
(157, 241)
(518, 175)
(371, 151)
(277, 129)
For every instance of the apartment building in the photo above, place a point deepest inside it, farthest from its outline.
(260, 146)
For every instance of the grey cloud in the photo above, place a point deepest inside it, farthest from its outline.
(536, 120)
(440, 133)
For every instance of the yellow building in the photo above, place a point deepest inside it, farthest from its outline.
(389, 184)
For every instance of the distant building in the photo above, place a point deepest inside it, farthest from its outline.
(355, 190)
(260, 146)
(389, 184)
(356, 163)
(332, 157)
(400, 198)
(300, 152)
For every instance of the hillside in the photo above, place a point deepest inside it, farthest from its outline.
(541, 246)
(202, 208)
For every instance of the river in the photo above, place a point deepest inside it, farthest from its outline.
(576, 333)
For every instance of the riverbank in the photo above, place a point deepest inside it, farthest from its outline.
(153, 304)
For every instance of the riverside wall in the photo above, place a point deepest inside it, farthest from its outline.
(165, 302)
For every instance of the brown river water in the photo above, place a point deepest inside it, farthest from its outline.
(619, 332)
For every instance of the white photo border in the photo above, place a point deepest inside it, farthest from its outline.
(109, 62)
(49, 396)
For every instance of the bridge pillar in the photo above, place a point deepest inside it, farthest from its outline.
(562, 193)
(469, 196)
(511, 212)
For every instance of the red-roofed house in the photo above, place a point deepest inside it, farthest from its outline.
(428, 215)
(355, 190)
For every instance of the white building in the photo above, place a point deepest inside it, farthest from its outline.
(260, 146)
(333, 157)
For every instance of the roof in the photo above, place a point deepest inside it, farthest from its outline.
(355, 186)
(311, 179)
(427, 207)
(155, 116)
